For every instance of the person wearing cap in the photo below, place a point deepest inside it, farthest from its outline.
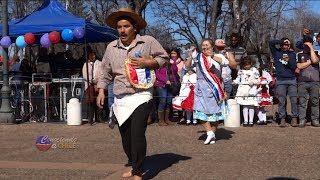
(308, 83)
(286, 84)
(225, 68)
(130, 61)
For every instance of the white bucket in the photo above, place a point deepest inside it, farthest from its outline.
(233, 119)
(74, 117)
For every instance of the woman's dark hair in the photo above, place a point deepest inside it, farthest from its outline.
(167, 49)
(286, 38)
(283, 39)
(177, 50)
(307, 39)
(25, 69)
(43, 55)
(43, 52)
(24, 63)
(89, 51)
(245, 61)
(209, 40)
(234, 35)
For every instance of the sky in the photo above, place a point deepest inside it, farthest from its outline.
(315, 5)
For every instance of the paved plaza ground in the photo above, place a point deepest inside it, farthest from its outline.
(174, 152)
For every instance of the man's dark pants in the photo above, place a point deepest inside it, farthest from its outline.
(133, 137)
(286, 88)
(308, 91)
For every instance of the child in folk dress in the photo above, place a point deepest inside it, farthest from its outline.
(185, 99)
(264, 98)
(247, 81)
(189, 81)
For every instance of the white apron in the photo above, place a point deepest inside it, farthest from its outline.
(124, 107)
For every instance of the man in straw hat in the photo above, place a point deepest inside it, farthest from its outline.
(130, 60)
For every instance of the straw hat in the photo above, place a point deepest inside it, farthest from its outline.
(112, 19)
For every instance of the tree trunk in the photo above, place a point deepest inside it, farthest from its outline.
(236, 8)
(216, 12)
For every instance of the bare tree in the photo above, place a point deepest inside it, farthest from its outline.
(242, 12)
(162, 33)
(301, 18)
(215, 12)
(258, 29)
(138, 5)
(77, 7)
(18, 9)
(237, 18)
(191, 20)
(100, 9)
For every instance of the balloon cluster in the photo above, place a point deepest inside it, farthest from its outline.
(46, 40)
(67, 35)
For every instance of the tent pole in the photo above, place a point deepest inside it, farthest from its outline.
(67, 7)
(29, 54)
(88, 80)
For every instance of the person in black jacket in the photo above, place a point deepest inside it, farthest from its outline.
(286, 84)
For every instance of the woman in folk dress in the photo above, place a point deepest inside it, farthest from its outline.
(209, 95)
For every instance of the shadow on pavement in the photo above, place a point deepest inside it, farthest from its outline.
(224, 134)
(156, 163)
(220, 134)
(282, 178)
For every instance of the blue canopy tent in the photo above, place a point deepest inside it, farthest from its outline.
(52, 16)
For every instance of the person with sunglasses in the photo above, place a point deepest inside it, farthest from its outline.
(286, 84)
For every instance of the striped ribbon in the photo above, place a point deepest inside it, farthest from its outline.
(213, 81)
(140, 76)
